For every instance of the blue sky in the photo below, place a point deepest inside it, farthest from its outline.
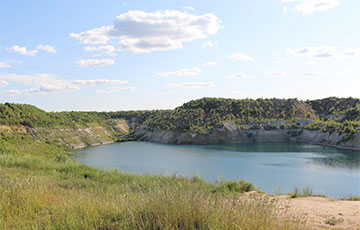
(125, 55)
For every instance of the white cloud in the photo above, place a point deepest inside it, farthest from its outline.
(142, 32)
(323, 52)
(95, 62)
(115, 89)
(46, 48)
(100, 82)
(3, 83)
(352, 52)
(191, 85)
(211, 63)
(209, 43)
(164, 93)
(285, 9)
(273, 74)
(42, 84)
(12, 92)
(109, 50)
(93, 36)
(238, 76)
(313, 74)
(189, 8)
(240, 57)
(320, 52)
(43, 90)
(4, 65)
(180, 73)
(309, 6)
(22, 50)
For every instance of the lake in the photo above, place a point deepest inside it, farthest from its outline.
(329, 171)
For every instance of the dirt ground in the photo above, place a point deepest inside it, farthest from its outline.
(323, 213)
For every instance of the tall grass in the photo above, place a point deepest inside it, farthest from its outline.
(304, 192)
(352, 197)
(48, 193)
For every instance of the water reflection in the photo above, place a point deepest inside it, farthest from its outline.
(320, 155)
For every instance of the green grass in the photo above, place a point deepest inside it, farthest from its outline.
(50, 191)
(304, 192)
(352, 197)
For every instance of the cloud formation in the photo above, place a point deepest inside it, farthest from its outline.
(46, 48)
(313, 74)
(115, 89)
(50, 84)
(109, 50)
(95, 62)
(95, 36)
(189, 8)
(273, 74)
(209, 43)
(323, 52)
(3, 83)
(240, 57)
(4, 65)
(22, 50)
(180, 73)
(191, 85)
(103, 81)
(310, 6)
(211, 63)
(142, 32)
(41, 84)
(238, 76)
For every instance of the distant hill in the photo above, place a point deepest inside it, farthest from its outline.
(199, 114)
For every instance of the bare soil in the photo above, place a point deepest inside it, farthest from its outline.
(323, 213)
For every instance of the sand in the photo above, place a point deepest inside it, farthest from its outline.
(324, 213)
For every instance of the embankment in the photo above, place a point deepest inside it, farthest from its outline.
(229, 134)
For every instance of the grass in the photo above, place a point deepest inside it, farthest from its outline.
(352, 197)
(41, 194)
(334, 221)
(307, 191)
(50, 191)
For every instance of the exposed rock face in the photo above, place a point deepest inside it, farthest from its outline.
(119, 126)
(74, 138)
(229, 134)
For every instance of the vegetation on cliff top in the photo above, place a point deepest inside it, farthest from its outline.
(200, 115)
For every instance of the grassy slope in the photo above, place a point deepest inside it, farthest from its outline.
(41, 188)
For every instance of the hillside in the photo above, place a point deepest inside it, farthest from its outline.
(335, 120)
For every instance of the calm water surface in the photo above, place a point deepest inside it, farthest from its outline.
(329, 171)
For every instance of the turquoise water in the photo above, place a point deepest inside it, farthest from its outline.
(329, 171)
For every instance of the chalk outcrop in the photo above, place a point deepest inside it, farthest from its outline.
(228, 133)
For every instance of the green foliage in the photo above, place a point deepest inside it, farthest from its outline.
(311, 126)
(28, 115)
(201, 115)
(240, 186)
(304, 192)
(348, 108)
(352, 197)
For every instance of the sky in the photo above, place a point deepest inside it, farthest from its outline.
(110, 55)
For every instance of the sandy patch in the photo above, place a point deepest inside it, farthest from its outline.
(324, 213)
